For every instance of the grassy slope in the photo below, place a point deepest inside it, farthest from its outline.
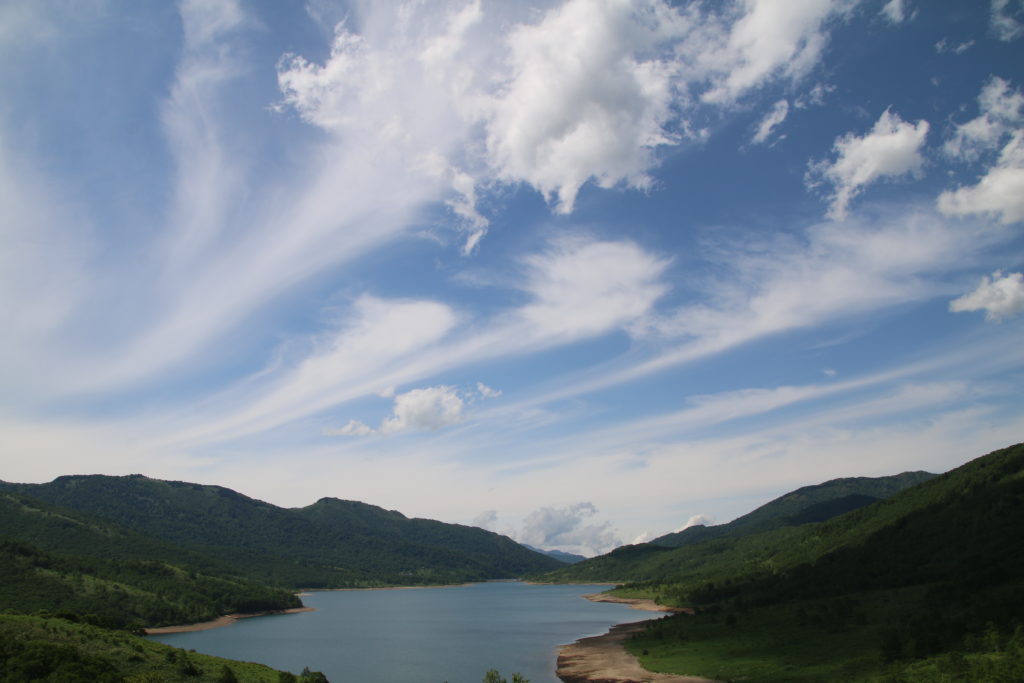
(925, 585)
(35, 648)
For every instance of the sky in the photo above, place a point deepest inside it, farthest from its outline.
(580, 272)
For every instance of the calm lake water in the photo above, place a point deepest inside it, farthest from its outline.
(419, 635)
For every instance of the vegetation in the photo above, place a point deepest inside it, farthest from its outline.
(816, 503)
(52, 649)
(922, 586)
(330, 544)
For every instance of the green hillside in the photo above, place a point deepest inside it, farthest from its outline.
(331, 543)
(925, 585)
(815, 503)
(58, 560)
(48, 649)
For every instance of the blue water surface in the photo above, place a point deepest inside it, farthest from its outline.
(419, 635)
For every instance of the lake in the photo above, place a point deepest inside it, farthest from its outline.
(419, 635)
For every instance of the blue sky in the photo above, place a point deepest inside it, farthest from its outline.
(580, 272)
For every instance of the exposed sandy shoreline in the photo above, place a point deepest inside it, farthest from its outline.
(226, 620)
(644, 604)
(604, 659)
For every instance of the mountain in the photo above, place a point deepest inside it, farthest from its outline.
(815, 503)
(332, 543)
(923, 585)
(58, 560)
(560, 555)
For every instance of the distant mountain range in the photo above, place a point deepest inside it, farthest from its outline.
(125, 533)
(560, 555)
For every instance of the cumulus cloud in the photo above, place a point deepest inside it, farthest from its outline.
(771, 38)
(1006, 19)
(771, 121)
(425, 409)
(1000, 191)
(566, 528)
(894, 11)
(486, 520)
(1000, 296)
(695, 520)
(590, 97)
(1002, 110)
(892, 149)
(585, 91)
(643, 537)
(428, 409)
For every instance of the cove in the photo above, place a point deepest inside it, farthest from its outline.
(419, 635)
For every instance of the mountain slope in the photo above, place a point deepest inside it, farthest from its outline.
(59, 560)
(815, 503)
(331, 543)
(925, 585)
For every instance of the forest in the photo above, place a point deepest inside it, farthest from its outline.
(922, 585)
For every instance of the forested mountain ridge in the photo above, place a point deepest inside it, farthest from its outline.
(331, 543)
(925, 585)
(815, 503)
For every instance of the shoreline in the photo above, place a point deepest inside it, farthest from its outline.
(604, 658)
(219, 622)
(643, 604)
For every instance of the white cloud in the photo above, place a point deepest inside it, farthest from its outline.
(352, 361)
(1000, 296)
(945, 46)
(1006, 19)
(1000, 191)
(830, 372)
(565, 528)
(590, 97)
(835, 269)
(771, 121)
(418, 410)
(894, 12)
(425, 409)
(583, 288)
(486, 391)
(890, 150)
(1002, 109)
(643, 537)
(351, 428)
(698, 519)
(486, 520)
(770, 39)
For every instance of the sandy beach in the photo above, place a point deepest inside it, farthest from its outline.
(226, 620)
(604, 659)
(644, 604)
